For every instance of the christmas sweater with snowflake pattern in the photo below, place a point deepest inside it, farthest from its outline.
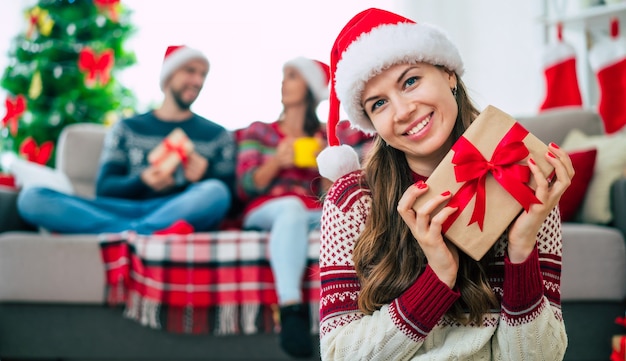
(528, 325)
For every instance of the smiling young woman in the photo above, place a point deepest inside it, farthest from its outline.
(392, 286)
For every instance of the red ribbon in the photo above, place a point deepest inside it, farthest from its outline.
(621, 321)
(171, 147)
(15, 109)
(620, 355)
(35, 153)
(472, 168)
(96, 65)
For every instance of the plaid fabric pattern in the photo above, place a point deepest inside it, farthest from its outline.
(214, 282)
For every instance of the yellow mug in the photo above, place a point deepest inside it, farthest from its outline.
(305, 151)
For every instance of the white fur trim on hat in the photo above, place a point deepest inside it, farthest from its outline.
(382, 47)
(337, 161)
(314, 75)
(176, 59)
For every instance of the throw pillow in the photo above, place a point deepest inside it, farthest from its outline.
(30, 174)
(583, 163)
(610, 161)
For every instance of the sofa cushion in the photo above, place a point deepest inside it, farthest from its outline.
(553, 125)
(594, 263)
(78, 155)
(610, 163)
(51, 268)
(583, 163)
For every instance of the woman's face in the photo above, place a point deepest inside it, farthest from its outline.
(294, 87)
(413, 109)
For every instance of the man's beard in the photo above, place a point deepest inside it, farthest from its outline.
(183, 105)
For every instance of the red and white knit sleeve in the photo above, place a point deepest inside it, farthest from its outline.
(531, 322)
(396, 330)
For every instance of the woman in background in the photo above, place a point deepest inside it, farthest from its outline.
(282, 196)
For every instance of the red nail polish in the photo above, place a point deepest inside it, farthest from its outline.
(553, 145)
(421, 184)
(446, 193)
(551, 155)
(532, 161)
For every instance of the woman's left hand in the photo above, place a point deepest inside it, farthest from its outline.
(523, 232)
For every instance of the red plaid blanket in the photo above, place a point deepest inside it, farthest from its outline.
(216, 282)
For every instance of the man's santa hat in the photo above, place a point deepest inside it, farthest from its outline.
(315, 73)
(371, 42)
(175, 57)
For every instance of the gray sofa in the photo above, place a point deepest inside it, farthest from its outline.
(51, 286)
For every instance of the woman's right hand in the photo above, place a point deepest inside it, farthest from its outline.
(284, 153)
(442, 256)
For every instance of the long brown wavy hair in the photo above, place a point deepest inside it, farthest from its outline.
(387, 257)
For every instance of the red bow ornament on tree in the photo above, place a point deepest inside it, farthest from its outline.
(111, 6)
(472, 169)
(96, 66)
(35, 153)
(15, 109)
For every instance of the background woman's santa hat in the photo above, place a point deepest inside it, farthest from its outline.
(315, 73)
(372, 41)
(175, 57)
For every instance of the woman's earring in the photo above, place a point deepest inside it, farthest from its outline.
(454, 91)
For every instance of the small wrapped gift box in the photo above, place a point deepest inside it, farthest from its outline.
(305, 151)
(172, 151)
(486, 171)
(619, 348)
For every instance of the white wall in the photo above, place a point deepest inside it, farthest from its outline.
(247, 41)
(501, 44)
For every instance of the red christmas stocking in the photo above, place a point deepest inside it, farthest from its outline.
(608, 60)
(559, 61)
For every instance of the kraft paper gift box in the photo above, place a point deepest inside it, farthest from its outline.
(619, 348)
(172, 151)
(494, 144)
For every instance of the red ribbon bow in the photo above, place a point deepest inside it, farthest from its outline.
(35, 153)
(472, 168)
(96, 65)
(171, 147)
(15, 109)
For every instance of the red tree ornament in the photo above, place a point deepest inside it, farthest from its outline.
(110, 6)
(30, 150)
(96, 66)
(15, 108)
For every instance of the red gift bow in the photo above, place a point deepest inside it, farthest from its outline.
(96, 65)
(472, 168)
(620, 355)
(34, 153)
(14, 112)
(171, 147)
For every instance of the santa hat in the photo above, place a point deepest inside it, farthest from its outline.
(175, 57)
(315, 73)
(371, 42)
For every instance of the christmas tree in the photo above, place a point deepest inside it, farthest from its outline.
(62, 70)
